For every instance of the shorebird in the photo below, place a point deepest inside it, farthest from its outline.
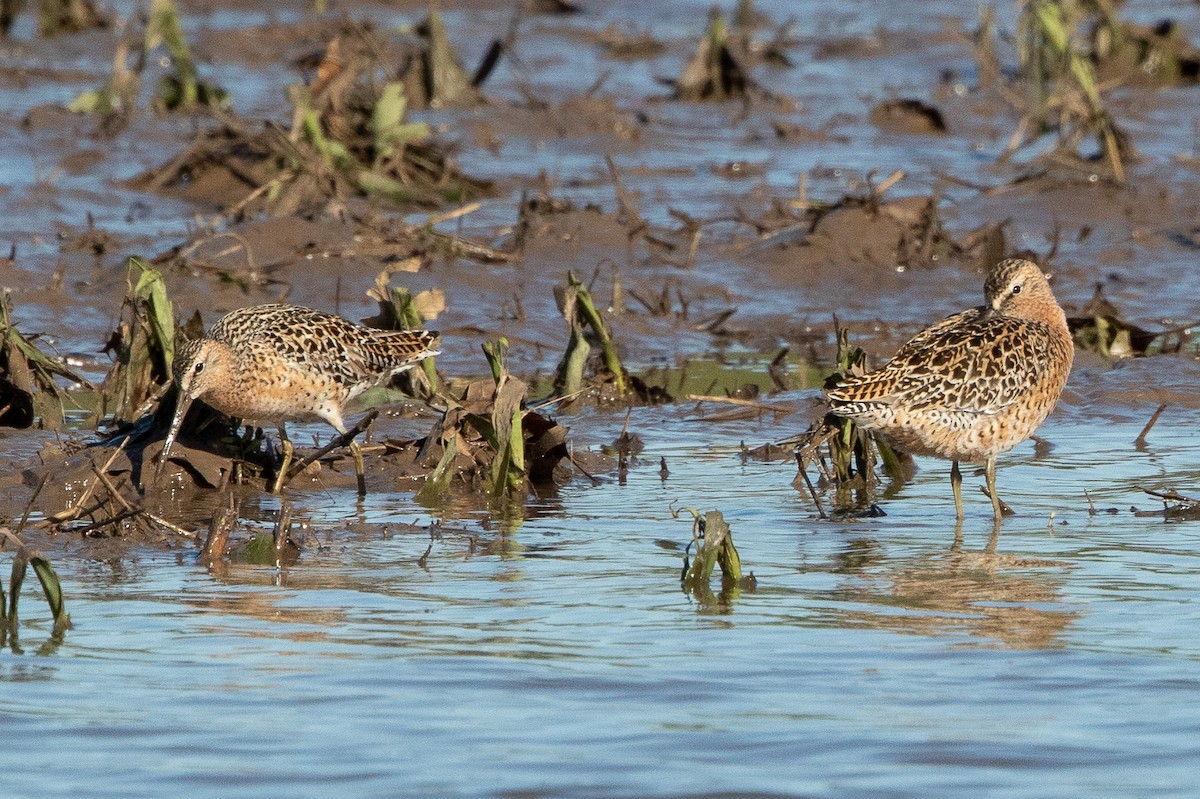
(973, 385)
(283, 363)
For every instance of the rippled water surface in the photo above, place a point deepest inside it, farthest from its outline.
(561, 658)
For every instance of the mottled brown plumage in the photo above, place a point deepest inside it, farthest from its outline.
(975, 384)
(282, 363)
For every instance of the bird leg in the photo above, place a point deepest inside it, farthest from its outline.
(956, 487)
(345, 438)
(288, 450)
(359, 467)
(990, 474)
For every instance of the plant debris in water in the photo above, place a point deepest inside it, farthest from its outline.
(1100, 328)
(845, 454)
(28, 390)
(712, 541)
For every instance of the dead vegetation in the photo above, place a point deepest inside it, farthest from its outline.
(56, 17)
(1056, 88)
(29, 392)
(25, 558)
(1099, 328)
(349, 136)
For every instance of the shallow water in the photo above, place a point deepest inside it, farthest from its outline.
(562, 658)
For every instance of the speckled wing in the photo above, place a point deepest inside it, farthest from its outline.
(967, 364)
(322, 343)
(386, 351)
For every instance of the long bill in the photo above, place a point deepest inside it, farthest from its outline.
(181, 408)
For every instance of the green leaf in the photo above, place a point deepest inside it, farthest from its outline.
(387, 120)
(438, 481)
(88, 102)
(52, 588)
(152, 290)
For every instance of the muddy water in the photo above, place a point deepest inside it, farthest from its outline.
(557, 656)
(561, 658)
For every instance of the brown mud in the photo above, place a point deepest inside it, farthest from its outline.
(752, 244)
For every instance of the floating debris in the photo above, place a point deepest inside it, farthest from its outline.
(1184, 509)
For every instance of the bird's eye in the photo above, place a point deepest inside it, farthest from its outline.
(1016, 289)
(199, 367)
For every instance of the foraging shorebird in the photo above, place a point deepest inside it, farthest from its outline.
(973, 385)
(283, 363)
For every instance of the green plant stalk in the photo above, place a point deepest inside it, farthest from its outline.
(42, 363)
(446, 81)
(311, 126)
(387, 122)
(493, 352)
(608, 351)
(507, 436)
(716, 549)
(716, 41)
(516, 449)
(891, 461)
(164, 27)
(151, 337)
(16, 580)
(52, 588)
(568, 379)
(842, 446)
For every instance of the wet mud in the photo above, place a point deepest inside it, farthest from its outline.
(722, 193)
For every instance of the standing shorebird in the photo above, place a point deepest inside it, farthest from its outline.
(283, 363)
(975, 384)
